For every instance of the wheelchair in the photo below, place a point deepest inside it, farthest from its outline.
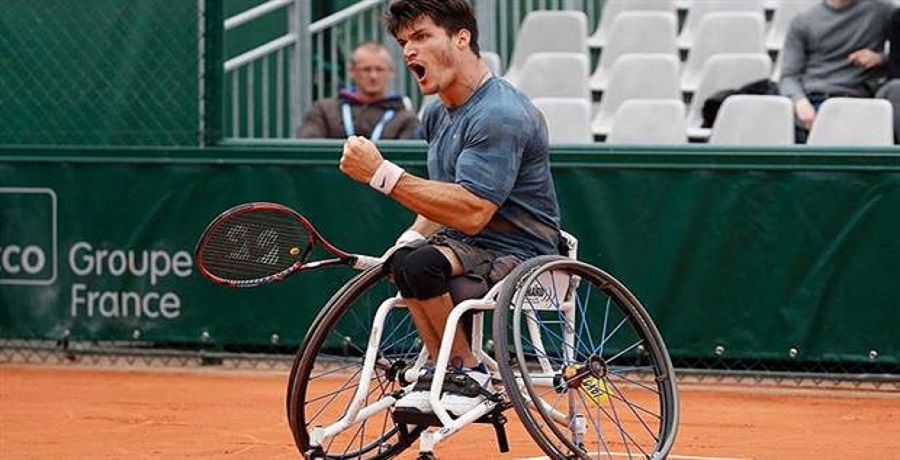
(572, 352)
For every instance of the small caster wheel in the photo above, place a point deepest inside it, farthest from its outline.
(426, 456)
(316, 453)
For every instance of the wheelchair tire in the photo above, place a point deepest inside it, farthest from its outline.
(603, 371)
(326, 370)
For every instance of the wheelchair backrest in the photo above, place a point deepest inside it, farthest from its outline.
(553, 289)
(571, 244)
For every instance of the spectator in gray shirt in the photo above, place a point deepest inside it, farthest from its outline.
(834, 49)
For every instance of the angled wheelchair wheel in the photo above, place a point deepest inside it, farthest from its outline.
(587, 370)
(328, 367)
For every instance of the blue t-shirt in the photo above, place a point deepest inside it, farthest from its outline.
(495, 146)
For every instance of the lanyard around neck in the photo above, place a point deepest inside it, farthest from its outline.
(351, 130)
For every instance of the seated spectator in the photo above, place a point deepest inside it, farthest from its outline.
(834, 49)
(890, 90)
(365, 108)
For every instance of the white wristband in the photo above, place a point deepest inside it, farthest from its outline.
(386, 177)
(408, 237)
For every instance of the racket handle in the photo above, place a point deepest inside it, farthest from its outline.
(366, 262)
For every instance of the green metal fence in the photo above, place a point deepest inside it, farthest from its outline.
(100, 72)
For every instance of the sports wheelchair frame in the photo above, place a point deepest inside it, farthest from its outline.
(573, 352)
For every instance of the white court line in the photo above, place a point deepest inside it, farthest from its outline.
(624, 454)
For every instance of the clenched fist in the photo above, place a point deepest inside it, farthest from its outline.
(360, 158)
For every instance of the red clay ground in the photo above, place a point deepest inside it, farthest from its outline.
(76, 412)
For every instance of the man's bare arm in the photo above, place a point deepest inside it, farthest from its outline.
(444, 203)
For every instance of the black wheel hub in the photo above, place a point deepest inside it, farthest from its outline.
(573, 375)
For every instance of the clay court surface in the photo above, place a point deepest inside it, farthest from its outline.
(84, 412)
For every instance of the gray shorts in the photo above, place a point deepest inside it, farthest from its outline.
(491, 266)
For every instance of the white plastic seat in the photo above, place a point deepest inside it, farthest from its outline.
(699, 9)
(611, 11)
(637, 76)
(555, 75)
(548, 31)
(754, 120)
(493, 62)
(636, 32)
(568, 119)
(781, 19)
(721, 72)
(649, 122)
(853, 122)
(741, 32)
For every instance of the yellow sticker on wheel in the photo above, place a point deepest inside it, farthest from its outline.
(595, 389)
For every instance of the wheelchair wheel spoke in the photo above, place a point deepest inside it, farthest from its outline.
(624, 376)
(639, 413)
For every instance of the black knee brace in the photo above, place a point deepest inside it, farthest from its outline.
(420, 273)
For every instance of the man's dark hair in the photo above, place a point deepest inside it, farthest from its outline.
(450, 15)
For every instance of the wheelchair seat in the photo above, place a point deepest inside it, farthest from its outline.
(465, 287)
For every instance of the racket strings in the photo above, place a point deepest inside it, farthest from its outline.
(255, 244)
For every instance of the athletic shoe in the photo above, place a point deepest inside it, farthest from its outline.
(466, 388)
(417, 399)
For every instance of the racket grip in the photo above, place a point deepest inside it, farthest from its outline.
(366, 262)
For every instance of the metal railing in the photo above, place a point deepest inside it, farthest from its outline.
(272, 85)
(254, 107)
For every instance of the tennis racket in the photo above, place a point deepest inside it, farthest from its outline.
(257, 243)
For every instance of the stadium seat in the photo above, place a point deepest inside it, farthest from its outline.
(740, 32)
(493, 62)
(612, 9)
(648, 122)
(548, 31)
(721, 72)
(636, 32)
(699, 9)
(781, 19)
(851, 121)
(555, 75)
(568, 119)
(637, 76)
(754, 120)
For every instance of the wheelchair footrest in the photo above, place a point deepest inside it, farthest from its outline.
(414, 417)
(495, 418)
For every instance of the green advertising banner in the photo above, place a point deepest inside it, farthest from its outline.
(104, 250)
(760, 255)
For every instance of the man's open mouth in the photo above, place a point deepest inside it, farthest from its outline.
(417, 69)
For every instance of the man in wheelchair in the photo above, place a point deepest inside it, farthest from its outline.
(489, 202)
